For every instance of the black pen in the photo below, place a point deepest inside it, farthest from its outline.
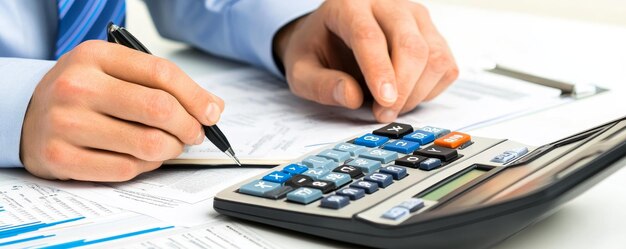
(120, 35)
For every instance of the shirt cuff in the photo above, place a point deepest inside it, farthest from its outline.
(255, 23)
(18, 81)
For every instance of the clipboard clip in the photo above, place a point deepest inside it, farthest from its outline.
(577, 91)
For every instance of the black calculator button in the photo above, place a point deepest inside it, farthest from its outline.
(412, 161)
(354, 172)
(369, 187)
(278, 193)
(394, 130)
(298, 181)
(324, 186)
(445, 154)
(334, 202)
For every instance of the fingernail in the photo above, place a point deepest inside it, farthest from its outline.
(388, 92)
(339, 94)
(200, 138)
(213, 113)
(388, 115)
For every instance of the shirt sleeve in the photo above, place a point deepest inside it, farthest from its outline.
(18, 81)
(242, 30)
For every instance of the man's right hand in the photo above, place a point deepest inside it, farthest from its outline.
(105, 112)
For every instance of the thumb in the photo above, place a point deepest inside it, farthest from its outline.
(310, 80)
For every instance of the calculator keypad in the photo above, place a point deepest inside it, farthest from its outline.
(363, 165)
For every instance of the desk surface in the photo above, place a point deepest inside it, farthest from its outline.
(568, 50)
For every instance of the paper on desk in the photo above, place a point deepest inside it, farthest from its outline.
(181, 197)
(267, 124)
(34, 214)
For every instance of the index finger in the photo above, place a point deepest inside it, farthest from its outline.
(154, 72)
(361, 32)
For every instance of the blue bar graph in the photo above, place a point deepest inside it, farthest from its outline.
(79, 243)
(30, 227)
(25, 240)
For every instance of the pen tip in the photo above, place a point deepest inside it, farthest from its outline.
(231, 154)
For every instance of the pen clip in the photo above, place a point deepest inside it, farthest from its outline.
(121, 36)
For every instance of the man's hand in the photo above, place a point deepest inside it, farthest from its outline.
(105, 112)
(390, 45)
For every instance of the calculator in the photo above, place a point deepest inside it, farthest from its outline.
(406, 187)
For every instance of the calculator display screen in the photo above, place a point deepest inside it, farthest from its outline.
(453, 184)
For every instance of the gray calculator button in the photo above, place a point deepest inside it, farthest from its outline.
(304, 195)
(353, 149)
(319, 162)
(396, 213)
(258, 187)
(366, 165)
(412, 204)
(335, 155)
(316, 173)
(383, 156)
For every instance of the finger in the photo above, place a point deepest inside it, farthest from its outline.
(445, 82)
(66, 161)
(409, 53)
(94, 130)
(363, 35)
(440, 59)
(154, 72)
(152, 107)
(310, 80)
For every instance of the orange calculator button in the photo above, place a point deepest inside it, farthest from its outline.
(453, 139)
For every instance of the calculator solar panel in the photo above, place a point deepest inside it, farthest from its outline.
(402, 186)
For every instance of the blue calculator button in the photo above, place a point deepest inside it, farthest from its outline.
(277, 176)
(258, 187)
(304, 195)
(316, 173)
(402, 146)
(504, 157)
(383, 156)
(334, 202)
(294, 169)
(438, 132)
(339, 179)
(396, 213)
(395, 171)
(319, 162)
(369, 187)
(383, 180)
(353, 149)
(371, 140)
(352, 193)
(509, 155)
(430, 163)
(335, 155)
(421, 137)
(366, 165)
(412, 204)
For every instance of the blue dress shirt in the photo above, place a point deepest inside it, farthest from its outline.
(238, 29)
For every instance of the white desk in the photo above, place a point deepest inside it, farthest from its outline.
(557, 48)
